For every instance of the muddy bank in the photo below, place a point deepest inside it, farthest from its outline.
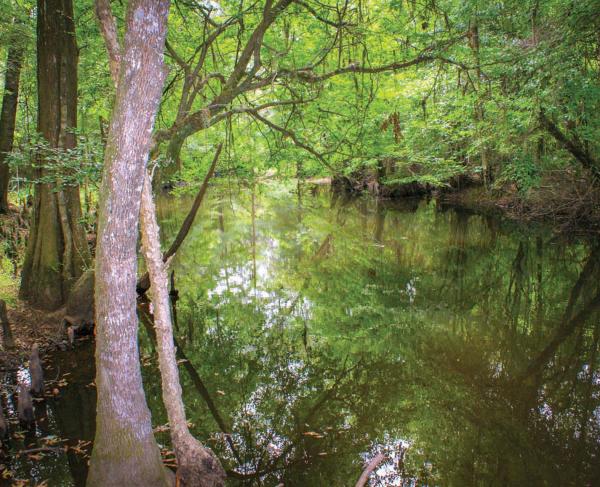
(567, 209)
(27, 327)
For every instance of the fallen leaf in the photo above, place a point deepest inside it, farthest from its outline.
(313, 434)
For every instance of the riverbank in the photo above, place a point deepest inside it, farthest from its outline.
(571, 208)
(564, 200)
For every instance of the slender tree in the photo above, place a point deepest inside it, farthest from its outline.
(14, 61)
(57, 252)
(125, 451)
(197, 466)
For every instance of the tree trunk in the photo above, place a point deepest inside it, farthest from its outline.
(197, 465)
(57, 252)
(14, 62)
(125, 451)
(479, 108)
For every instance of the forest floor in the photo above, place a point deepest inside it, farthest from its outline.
(27, 324)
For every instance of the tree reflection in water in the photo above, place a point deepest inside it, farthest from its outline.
(463, 346)
(325, 331)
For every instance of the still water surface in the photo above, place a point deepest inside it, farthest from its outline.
(320, 331)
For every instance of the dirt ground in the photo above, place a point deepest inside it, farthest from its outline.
(29, 326)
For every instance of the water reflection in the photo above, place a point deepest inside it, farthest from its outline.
(54, 452)
(328, 330)
(315, 333)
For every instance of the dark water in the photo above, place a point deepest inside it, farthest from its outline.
(320, 332)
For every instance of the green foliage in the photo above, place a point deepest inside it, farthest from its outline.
(471, 104)
(523, 172)
(57, 166)
(8, 280)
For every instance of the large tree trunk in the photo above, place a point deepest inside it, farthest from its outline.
(14, 61)
(125, 451)
(197, 465)
(57, 252)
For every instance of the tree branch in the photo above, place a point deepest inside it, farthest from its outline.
(573, 147)
(294, 138)
(309, 76)
(316, 15)
(108, 27)
(143, 283)
(250, 109)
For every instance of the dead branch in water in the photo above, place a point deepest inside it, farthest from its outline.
(373, 464)
(143, 283)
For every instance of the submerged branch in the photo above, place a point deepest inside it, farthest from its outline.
(373, 464)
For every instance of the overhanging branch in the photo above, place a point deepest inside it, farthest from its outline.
(292, 136)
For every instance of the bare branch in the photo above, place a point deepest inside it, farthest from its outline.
(252, 109)
(320, 18)
(176, 57)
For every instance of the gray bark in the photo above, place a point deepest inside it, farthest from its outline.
(125, 451)
(197, 465)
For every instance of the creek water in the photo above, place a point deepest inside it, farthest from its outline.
(320, 331)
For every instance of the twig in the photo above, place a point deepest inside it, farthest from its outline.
(41, 449)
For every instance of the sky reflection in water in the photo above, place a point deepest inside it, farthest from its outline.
(327, 330)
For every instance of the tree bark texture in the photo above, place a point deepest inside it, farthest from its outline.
(197, 465)
(108, 27)
(125, 451)
(14, 61)
(57, 252)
